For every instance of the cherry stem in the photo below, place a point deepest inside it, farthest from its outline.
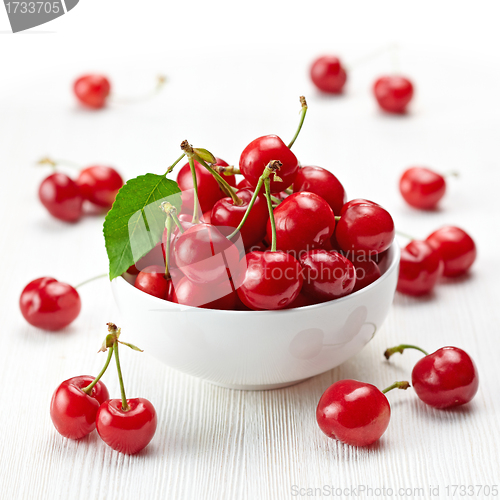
(196, 217)
(337, 218)
(226, 188)
(276, 200)
(88, 389)
(267, 184)
(289, 190)
(397, 385)
(400, 348)
(91, 279)
(453, 173)
(302, 116)
(404, 235)
(177, 223)
(125, 406)
(54, 163)
(168, 226)
(160, 82)
(174, 164)
(228, 171)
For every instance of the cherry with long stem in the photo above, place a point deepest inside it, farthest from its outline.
(397, 385)
(303, 113)
(174, 164)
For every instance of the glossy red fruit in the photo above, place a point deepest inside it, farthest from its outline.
(445, 378)
(73, 412)
(327, 275)
(272, 280)
(226, 213)
(204, 254)
(328, 74)
(208, 296)
(61, 196)
(367, 272)
(99, 185)
(304, 221)
(259, 153)
(455, 247)
(152, 281)
(365, 229)
(419, 268)
(185, 221)
(356, 201)
(422, 188)
(353, 412)
(320, 181)
(92, 90)
(49, 304)
(393, 93)
(127, 431)
(208, 189)
(243, 184)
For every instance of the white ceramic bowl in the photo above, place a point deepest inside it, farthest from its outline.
(257, 350)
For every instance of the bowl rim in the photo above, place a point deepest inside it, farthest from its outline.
(395, 262)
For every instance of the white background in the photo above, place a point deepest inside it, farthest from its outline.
(235, 72)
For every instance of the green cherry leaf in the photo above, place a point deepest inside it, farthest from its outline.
(205, 155)
(135, 223)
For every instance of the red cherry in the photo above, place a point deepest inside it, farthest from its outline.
(367, 272)
(243, 184)
(92, 90)
(456, 248)
(419, 268)
(327, 275)
(185, 222)
(73, 412)
(208, 296)
(126, 431)
(260, 152)
(356, 201)
(99, 185)
(226, 213)
(320, 181)
(272, 280)
(203, 254)
(445, 378)
(365, 229)
(61, 196)
(208, 188)
(303, 221)
(154, 257)
(393, 93)
(152, 281)
(49, 304)
(328, 74)
(422, 188)
(353, 412)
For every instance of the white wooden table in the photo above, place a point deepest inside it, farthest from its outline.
(214, 443)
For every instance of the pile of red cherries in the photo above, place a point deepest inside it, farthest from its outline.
(304, 243)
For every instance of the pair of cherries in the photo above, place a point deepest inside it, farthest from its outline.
(393, 93)
(358, 414)
(63, 197)
(448, 251)
(81, 404)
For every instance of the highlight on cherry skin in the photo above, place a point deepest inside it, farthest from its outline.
(355, 413)
(393, 93)
(443, 379)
